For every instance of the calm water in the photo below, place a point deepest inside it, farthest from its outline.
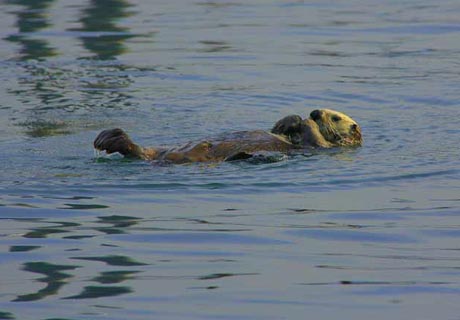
(350, 234)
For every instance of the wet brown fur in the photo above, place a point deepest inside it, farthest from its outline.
(288, 134)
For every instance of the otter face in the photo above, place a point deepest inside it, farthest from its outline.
(337, 128)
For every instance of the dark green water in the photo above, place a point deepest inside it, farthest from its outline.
(356, 234)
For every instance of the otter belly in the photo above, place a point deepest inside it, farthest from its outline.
(233, 146)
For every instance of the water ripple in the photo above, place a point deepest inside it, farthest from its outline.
(355, 235)
(123, 239)
(195, 238)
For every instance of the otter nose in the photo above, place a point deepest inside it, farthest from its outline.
(315, 114)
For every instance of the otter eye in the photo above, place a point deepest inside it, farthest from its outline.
(336, 118)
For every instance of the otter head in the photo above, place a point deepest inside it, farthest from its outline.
(337, 128)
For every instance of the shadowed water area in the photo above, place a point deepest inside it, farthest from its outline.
(372, 232)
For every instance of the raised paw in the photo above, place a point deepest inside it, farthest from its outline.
(290, 126)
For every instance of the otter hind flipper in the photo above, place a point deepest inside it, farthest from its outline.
(116, 140)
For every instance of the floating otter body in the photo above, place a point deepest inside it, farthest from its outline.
(324, 128)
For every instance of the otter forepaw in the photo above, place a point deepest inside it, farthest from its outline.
(289, 126)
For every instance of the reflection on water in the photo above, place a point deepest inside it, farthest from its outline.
(215, 46)
(49, 89)
(110, 277)
(113, 260)
(42, 128)
(30, 19)
(6, 315)
(23, 248)
(100, 32)
(44, 232)
(56, 276)
(332, 234)
(117, 224)
(92, 292)
(54, 279)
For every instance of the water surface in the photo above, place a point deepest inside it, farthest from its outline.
(368, 232)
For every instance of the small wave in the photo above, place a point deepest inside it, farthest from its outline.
(201, 238)
(352, 235)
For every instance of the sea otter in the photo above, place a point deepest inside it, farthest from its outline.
(323, 129)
